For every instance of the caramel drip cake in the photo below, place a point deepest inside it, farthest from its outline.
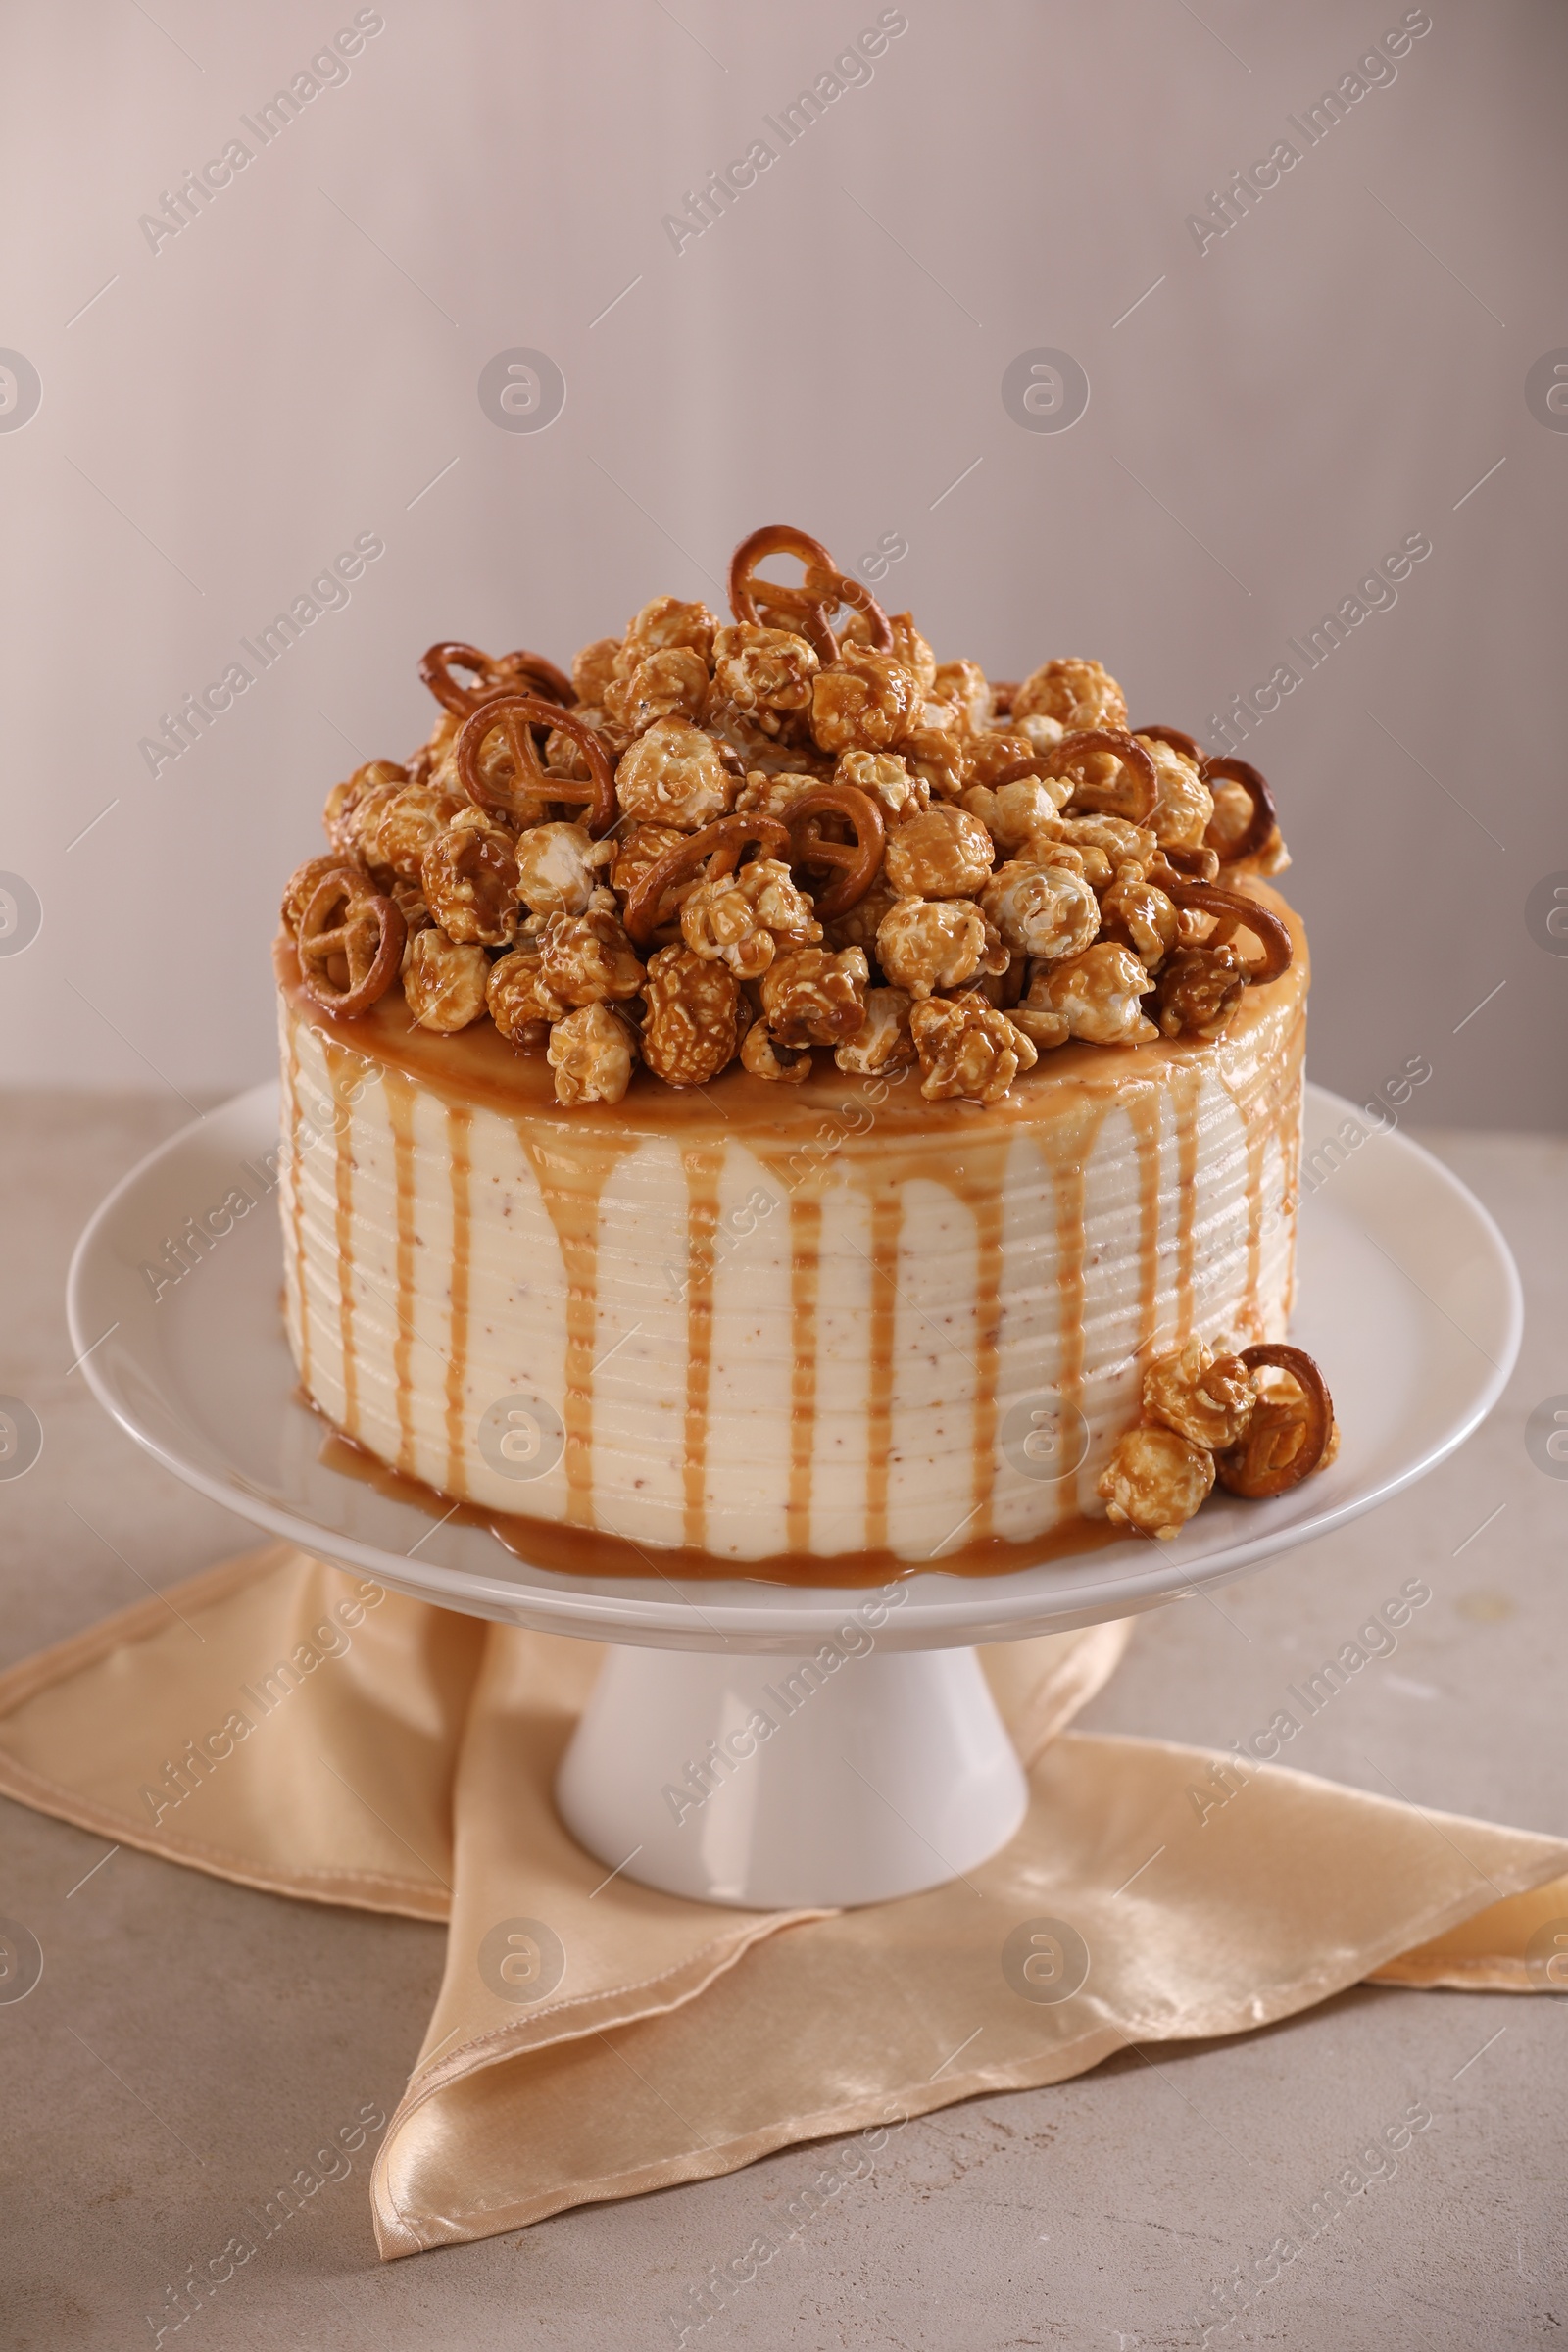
(773, 1103)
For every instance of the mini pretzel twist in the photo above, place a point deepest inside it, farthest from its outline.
(1134, 761)
(348, 925)
(810, 607)
(718, 849)
(1265, 1462)
(1265, 817)
(1178, 741)
(516, 715)
(858, 861)
(1233, 912)
(505, 673)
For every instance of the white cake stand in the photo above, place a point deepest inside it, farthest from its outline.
(884, 1767)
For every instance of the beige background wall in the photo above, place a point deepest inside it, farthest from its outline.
(1345, 369)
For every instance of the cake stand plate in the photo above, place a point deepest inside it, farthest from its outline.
(887, 1768)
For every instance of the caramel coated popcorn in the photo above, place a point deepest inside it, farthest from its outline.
(761, 669)
(444, 982)
(673, 775)
(928, 943)
(592, 1054)
(1076, 694)
(695, 1017)
(744, 918)
(944, 854)
(1155, 1481)
(863, 701)
(968, 1049)
(871, 852)
(813, 997)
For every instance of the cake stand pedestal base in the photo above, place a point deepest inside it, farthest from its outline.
(774, 1784)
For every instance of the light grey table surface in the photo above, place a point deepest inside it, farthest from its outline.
(191, 2042)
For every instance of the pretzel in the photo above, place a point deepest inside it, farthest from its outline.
(346, 922)
(506, 673)
(806, 608)
(1265, 817)
(1133, 757)
(1233, 912)
(517, 714)
(1257, 1467)
(717, 847)
(859, 862)
(1178, 742)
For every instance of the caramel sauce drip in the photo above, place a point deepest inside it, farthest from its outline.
(588, 1555)
(571, 1180)
(702, 1163)
(805, 1270)
(459, 1123)
(296, 1202)
(1186, 1088)
(983, 1195)
(1143, 1107)
(400, 1112)
(887, 1224)
(339, 1078)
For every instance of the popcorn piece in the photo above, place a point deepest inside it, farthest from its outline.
(1154, 1481)
(1098, 993)
(883, 1041)
(408, 823)
(519, 1007)
(637, 849)
(1146, 913)
(743, 919)
(468, 878)
(1231, 818)
(557, 867)
(863, 701)
(663, 622)
(944, 854)
(937, 757)
(345, 802)
(1011, 813)
(592, 1054)
(1104, 842)
(1200, 989)
(912, 649)
(1207, 1398)
(994, 750)
(1045, 911)
(696, 1016)
(592, 668)
(673, 775)
(565, 755)
(1078, 694)
(884, 777)
(762, 1054)
(584, 959)
(765, 795)
(670, 684)
(859, 925)
(1043, 733)
(763, 671)
(444, 982)
(966, 687)
(811, 997)
(968, 1049)
(924, 945)
(1039, 1025)
(1181, 813)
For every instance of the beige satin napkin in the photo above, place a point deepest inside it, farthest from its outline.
(280, 1723)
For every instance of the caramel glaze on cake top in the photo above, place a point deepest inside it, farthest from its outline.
(572, 1154)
